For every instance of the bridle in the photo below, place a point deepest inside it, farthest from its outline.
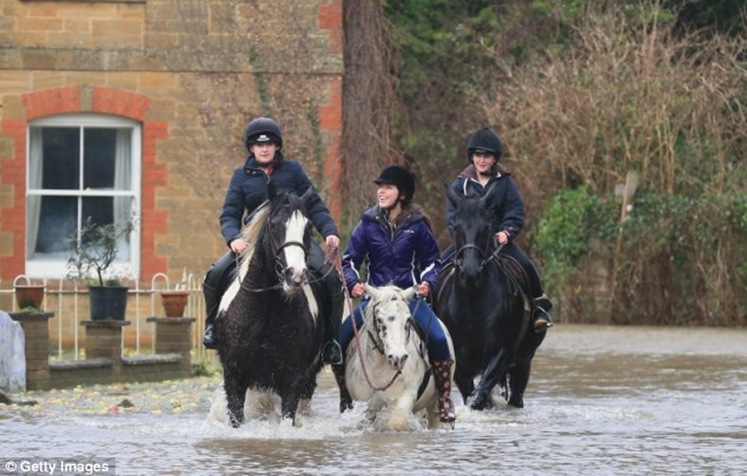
(457, 260)
(278, 262)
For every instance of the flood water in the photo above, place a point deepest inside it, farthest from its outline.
(602, 400)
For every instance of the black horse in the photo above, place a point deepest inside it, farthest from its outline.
(269, 326)
(481, 300)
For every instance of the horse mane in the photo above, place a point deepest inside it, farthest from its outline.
(250, 234)
(469, 209)
(253, 230)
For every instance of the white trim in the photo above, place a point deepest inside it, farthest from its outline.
(50, 268)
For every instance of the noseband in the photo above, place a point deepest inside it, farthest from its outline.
(471, 246)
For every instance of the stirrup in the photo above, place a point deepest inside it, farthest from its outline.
(541, 320)
(331, 353)
(210, 339)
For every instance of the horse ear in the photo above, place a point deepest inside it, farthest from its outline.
(409, 293)
(483, 202)
(271, 190)
(452, 196)
(371, 290)
(307, 196)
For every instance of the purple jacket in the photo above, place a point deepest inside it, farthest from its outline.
(404, 256)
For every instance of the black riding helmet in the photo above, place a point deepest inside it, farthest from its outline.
(263, 129)
(484, 140)
(401, 178)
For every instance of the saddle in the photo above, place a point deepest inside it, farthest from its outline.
(512, 271)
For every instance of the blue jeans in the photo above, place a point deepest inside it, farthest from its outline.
(438, 346)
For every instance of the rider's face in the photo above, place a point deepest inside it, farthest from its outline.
(387, 195)
(264, 152)
(483, 161)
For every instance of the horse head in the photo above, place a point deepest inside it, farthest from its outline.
(289, 234)
(388, 315)
(473, 238)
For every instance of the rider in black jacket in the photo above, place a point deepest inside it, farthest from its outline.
(246, 192)
(482, 176)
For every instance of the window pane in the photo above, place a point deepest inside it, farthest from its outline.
(99, 158)
(101, 210)
(57, 222)
(60, 155)
(81, 154)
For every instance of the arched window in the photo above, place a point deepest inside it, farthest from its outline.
(80, 166)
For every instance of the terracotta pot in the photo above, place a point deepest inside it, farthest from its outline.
(174, 302)
(29, 295)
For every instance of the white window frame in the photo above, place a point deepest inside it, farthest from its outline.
(49, 268)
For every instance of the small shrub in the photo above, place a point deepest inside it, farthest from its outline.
(564, 231)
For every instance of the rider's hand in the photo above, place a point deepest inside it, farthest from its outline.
(357, 290)
(332, 241)
(424, 289)
(501, 237)
(238, 245)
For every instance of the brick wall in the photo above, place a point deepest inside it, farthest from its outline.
(193, 73)
(104, 362)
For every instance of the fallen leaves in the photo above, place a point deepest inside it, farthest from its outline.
(156, 398)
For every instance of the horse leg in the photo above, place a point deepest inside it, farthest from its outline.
(519, 374)
(518, 378)
(400, 412)
(480, 398)
(235, 398)
(464, 382)
(346, 401)
(304, 403)
(289, 398)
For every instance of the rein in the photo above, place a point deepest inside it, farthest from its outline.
(334, 257)
(471, 246)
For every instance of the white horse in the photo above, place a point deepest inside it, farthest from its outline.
(391, 351)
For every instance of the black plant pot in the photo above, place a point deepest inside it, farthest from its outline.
(108, 302)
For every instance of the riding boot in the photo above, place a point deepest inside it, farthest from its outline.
(210, 338)
(541, 318)
(442, 377)
(331, 351)
(346, 401)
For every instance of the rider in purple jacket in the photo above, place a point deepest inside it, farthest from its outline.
(395, 241)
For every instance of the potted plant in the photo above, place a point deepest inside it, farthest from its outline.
(30, 295)
(92, 253)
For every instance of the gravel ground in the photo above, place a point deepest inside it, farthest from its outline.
(169, 396)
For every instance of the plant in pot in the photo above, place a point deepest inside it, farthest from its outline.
(93, 251)
(29, 296)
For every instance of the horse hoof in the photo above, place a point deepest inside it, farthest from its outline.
(345, 405)
(517, 402)
(235, 423)
(480, 402)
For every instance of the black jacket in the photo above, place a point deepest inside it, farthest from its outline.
(248, 190)
(504, 202)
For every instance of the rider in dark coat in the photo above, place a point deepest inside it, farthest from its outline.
(395, 241)
(483, 176)
(246, 192)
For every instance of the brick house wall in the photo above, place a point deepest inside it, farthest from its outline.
(192, 73)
